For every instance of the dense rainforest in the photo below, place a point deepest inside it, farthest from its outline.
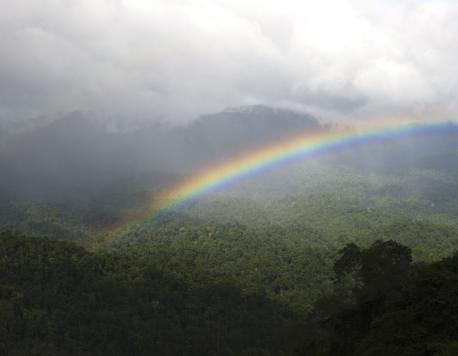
(351, 253)
(59, 299)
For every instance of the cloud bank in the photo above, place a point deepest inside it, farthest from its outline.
(145, 60)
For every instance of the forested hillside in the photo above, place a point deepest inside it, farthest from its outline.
(58, 299)
(228, 178)
(352, 252)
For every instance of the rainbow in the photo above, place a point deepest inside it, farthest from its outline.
(272, 156)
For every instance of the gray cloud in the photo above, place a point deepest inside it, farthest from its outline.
(147, 60)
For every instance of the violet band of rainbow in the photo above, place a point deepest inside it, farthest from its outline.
(278, 154)
(270, 157)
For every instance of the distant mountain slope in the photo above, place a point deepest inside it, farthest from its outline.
(67, 157)
(217, 136)
(71, 177)
(72, 156)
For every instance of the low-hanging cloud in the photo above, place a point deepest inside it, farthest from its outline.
(147, 60)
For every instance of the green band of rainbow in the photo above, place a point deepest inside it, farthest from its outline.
(269, 157)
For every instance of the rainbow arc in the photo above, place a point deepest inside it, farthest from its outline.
(269, 157)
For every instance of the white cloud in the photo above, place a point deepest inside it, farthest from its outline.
(174, 59)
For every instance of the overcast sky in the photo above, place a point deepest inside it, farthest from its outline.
(145, 60)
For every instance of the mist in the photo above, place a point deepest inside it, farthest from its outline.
(113, 101)
(72, 160)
